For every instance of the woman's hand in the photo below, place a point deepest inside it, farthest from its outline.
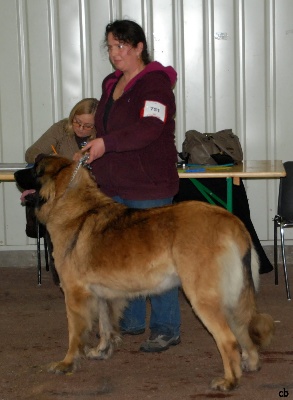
(95, 148)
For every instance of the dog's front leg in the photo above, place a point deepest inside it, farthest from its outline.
(80, 306)
(109, 315)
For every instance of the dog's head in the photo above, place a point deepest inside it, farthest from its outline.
(54, 178)
(42, 177)
(45, 167)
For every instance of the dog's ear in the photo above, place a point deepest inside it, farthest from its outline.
(40, 157)
(50, 165)
(39, 167)
(40, 170)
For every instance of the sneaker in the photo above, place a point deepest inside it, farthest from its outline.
(157, 343)
(134, 333)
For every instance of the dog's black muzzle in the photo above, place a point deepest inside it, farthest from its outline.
(26, 178)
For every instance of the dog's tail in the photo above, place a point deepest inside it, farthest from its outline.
(261, 329)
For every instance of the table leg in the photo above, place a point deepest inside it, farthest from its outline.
(229, 194)
(210, 196)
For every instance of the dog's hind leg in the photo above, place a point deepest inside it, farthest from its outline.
(250, 357)
(208, 309)
(80, 307)
(109, 315)
(252, 330)
(239, 320)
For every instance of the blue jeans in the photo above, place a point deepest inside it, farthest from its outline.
(165, 311)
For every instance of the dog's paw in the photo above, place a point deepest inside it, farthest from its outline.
(100, 353)
(224, 385)
(249, 366)
(250, 361)
(116, 339)
(61, 368)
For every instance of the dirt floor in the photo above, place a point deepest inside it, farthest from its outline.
(33, 332)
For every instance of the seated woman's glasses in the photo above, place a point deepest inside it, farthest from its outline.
(80, 125)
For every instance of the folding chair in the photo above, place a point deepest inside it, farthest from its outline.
(284, 219)
(37, 231)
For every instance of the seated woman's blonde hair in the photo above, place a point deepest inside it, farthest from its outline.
(84, 106)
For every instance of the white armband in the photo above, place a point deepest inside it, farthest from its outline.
(154, 109)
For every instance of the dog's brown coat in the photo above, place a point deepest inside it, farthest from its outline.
(106, 253)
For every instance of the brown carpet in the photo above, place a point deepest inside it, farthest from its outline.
(33, 332)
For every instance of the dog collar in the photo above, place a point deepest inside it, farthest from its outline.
(82, 162)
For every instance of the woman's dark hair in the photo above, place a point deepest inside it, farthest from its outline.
(127, 31)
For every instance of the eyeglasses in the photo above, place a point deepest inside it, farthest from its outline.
(119, 47)
(86, 127)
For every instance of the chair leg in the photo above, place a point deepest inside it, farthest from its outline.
(284, 262)
(46, 253)
(39, 255)
(276, 252)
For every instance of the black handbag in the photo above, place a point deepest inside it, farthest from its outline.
(222, 147)
(32, 225)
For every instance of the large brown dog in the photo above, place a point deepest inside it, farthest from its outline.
(106, 253)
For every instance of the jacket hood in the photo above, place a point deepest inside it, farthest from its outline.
(156, 66)
(153, 66)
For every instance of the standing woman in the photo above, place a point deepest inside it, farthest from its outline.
(134, 156)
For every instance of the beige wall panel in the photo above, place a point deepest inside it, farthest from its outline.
(284, 79)
(194, 79)
(233, 57)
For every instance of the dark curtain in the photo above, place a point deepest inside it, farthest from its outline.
(187, 191)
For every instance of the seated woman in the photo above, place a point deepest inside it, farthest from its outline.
(67, 136)
(187, 191)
